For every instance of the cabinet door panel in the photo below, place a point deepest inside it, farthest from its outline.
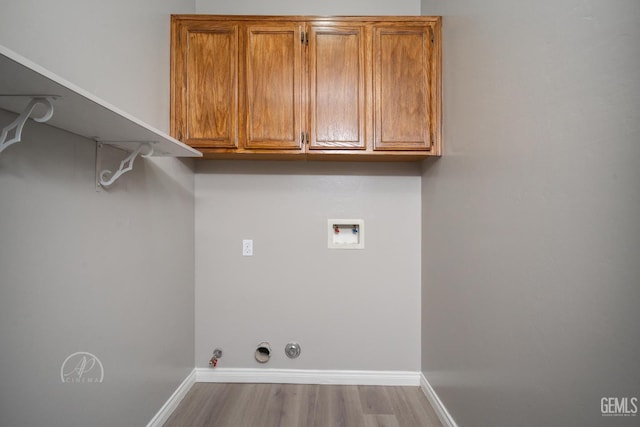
(401, 79)
(273, 87)
(212, 87)
(337, 87)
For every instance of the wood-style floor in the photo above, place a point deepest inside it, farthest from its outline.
(293, 405)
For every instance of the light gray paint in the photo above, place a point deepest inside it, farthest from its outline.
(116, 49)
(110, 273)
(310, 7)
(531, 220)
(348, 309)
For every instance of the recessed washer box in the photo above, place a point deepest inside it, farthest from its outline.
(345, 233)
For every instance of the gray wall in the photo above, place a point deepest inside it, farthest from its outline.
(310, 7)
(110, 273)
(117, 49)
(531, 220)
(348, 309)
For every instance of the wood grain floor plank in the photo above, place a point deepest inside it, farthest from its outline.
(420, 399)
(273, 410)
(291, 405)
(416, 398)
(351, 406)
(248, 408)
(309, 410)
(381, 421)
(197, 405)
(375, 400)
(337, 406)
(298, 403)
(295, 405)
(408, 405)
(213, 404)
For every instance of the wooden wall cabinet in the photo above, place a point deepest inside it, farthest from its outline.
(337, 88)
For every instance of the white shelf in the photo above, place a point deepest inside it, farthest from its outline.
(78, 111)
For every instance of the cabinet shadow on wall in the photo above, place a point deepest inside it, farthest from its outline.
(259, 167)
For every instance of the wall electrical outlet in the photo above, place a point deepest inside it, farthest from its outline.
(247, 248)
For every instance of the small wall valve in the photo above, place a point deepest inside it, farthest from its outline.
(217, 354)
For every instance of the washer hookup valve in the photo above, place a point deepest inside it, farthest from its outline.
(217, 354)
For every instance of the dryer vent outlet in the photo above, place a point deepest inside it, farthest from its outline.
(263, 352)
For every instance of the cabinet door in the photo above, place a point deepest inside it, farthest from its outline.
(401, 88)
(337, 87)
(273, 87)
(206, 98)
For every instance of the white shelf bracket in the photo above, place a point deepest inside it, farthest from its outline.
(125, 166)
(17, 125)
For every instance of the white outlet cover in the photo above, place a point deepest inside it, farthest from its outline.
(247, 247)
(346, 237)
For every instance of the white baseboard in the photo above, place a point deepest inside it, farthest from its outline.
(438, 406)
(294, 376)
(170, 405)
